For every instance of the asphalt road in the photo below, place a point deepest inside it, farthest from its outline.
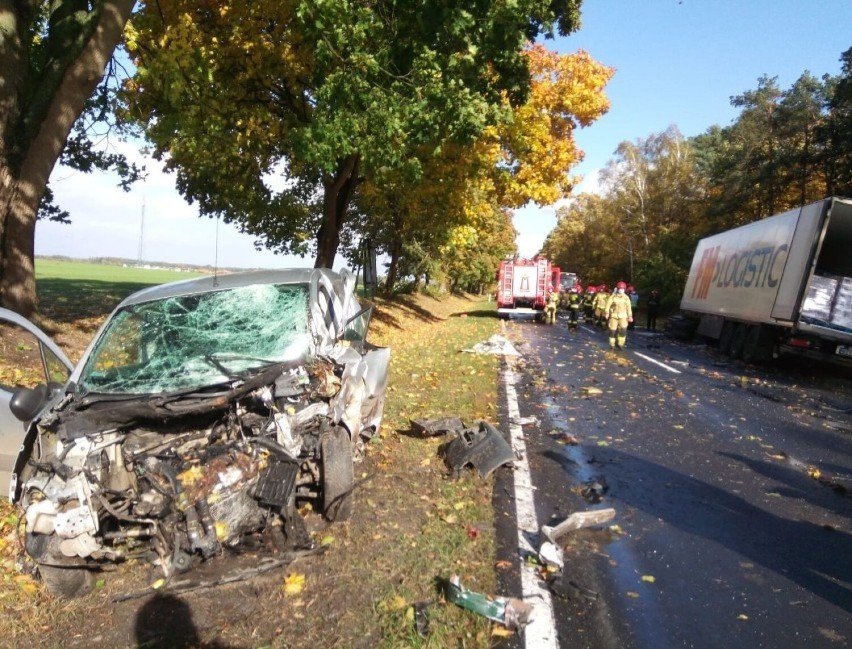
(732, 486)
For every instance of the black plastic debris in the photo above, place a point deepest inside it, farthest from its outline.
(421, 617)
(435, 427)
(484, 448)
(594, 490)
(277, 484)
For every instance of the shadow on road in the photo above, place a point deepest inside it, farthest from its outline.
(812, 555)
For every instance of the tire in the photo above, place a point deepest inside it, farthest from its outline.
(752, 349)
(726, 337)
(67, 583)
(338, 475)
(738, 341)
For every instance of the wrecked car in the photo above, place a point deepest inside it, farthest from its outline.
(202, 412)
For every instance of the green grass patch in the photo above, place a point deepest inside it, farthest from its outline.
(448, 522)
(90, 271)
(72, 291)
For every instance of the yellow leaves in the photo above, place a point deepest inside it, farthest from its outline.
(649, 579)
(26, 584)
(566, 93)
(294, 583)
(221, 528)
(397, 603)
(191, 475)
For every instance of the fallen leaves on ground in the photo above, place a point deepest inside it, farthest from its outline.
(294, 583)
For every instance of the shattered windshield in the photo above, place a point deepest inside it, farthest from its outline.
(197, 340)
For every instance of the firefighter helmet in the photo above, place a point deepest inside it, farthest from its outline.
(621, 285)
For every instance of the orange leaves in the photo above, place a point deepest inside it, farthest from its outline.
(567, 92)
(568, 86)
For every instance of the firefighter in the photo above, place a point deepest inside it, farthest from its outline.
(589, 303)
(550, 307)
(575, 301)
(619, 313)
(601, 299)
(633, 294)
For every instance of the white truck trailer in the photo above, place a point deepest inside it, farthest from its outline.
(779, 285)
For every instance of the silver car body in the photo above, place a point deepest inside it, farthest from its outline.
(198, 413)
(12, 430)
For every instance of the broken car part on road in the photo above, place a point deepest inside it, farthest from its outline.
(512, 613)
(200, 414)
(497, 345)
(484, 448)
(576, 521)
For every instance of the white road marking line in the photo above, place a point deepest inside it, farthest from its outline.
(540, 633)
(656, 362)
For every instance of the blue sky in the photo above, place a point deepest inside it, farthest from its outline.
(677, 62)
(680, 61)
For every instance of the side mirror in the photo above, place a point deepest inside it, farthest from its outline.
(26, 402)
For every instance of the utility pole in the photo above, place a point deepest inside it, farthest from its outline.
(141, 235)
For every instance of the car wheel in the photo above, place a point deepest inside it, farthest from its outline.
(727, 337)
(67, 583)
(753, 350)
(338, 475)
(738, 341)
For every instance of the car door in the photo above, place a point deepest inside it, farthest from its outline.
(28, 357)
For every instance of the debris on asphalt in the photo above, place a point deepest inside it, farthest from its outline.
(594, 490)
(551, 554)
(525, 421)
(512, 613)
(495, 345)
(484, 448)
(576, 521)
(563, 587)
(437, 427)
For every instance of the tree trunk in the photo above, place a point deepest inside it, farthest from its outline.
(393, 267)
(22, 190)
(337, 195)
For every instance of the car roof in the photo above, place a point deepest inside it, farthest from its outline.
(226, 281)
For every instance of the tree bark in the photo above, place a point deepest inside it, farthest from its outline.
(337, 196)
(393, 267)
(22, 194)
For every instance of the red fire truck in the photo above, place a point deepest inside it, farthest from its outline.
(523, 286)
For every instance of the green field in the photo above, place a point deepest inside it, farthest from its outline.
(70, 291)
(89, 271)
